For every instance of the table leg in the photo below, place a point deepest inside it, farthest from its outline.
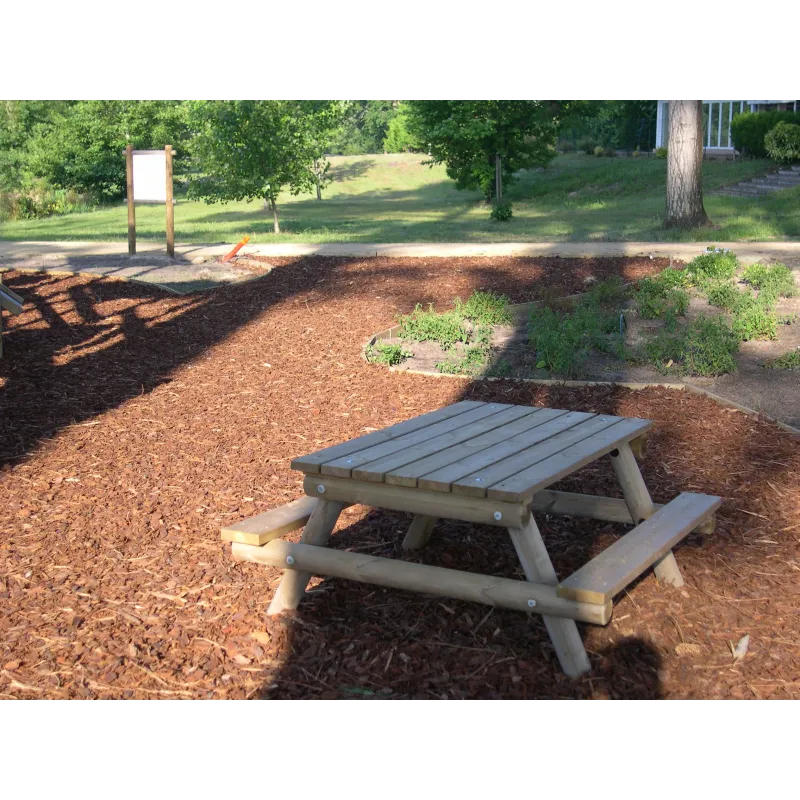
(641, 507)
(539, 569)
(420, 531)
(317, 532)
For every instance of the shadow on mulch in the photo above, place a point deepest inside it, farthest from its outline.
(116, 584)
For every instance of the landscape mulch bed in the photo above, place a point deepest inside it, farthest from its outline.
(133, 425)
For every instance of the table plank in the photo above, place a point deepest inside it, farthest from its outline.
(621, 563)
(411, 474)
(440, 445)
(446, 479)
(524, 484)
(478, 482)
(343, 467)
(311, 463)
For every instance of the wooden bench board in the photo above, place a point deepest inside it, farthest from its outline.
(478, 482)
(524, 484)
(343, 467)
(10, 301)
(445, 443)
(444, 479)
(610, 572)
(271, 524)
(410, 474)
(311, 463)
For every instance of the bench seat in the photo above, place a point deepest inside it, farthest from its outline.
(272, 524)
(609, 573)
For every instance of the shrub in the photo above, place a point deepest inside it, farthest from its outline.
(789, 360)
(587, 145)
(636, 153)
(714, 265)
(429, 326)
(654, 298)
(599, 150)
(661, 152)
(776, 279)
(749, 130)
(755, 318)
(609, 152)
(674, 278)
(472, 362)
(389, 354)
(565, 146)
(563, 339)
(782, 143)
(487, 308)
(501, 212)
(704, 347)
(724, 295)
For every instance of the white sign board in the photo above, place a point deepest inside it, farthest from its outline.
(149, 176)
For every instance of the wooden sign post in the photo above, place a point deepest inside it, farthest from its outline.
(131, 206)
(170, 206)
(149, 180)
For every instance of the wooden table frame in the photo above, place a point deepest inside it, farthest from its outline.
(346, 474)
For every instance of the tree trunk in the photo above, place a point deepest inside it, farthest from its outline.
(685, 166)
(316, 178)
(498, 180)
(274, 206)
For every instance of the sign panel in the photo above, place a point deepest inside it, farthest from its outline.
(149, 176)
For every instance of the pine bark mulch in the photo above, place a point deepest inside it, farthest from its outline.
(133, 425)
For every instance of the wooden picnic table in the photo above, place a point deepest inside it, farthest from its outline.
(489, 463)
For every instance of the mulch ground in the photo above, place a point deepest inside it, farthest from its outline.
(133, 425)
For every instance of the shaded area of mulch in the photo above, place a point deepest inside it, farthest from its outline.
(133, 425)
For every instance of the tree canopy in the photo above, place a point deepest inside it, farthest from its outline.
(467, 136)
(251, 149)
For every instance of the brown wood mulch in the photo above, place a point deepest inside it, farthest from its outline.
(133, 425)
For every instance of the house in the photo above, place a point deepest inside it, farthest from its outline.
(717, 116)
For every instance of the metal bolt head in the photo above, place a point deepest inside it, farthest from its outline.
(531, 604)
(321, 489)
(290, 561)
(478, 480)
(498, 516)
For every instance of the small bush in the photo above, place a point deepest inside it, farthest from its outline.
(609, 152)
(566, 146)
(599, 150)
(716, 265)
(775, 279)
(750, 130)
(754, 318)
(782, 143)
(472, 362)
(637, 153)
(488, 308)
(389, 354)
(501, 212)
(661, 152)
(563, 339)
(724, 295)
(655, 298)
(429, 326)
(789, 360)
(587, 145)
(704, 347)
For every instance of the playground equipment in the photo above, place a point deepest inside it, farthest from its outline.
(12, 303)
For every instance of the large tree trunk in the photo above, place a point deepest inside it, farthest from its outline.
(685, 166)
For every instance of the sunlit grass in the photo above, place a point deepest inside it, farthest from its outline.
(394, 198)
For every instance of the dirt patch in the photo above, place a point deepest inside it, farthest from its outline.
(133, 425)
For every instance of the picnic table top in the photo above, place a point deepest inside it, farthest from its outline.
(495, 450)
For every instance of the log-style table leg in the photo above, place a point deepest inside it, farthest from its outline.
(641, 507)
(420, 531)
(317, 531)
(539, 569)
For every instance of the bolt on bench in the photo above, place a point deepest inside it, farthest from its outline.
(489, 463)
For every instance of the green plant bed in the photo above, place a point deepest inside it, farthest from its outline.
(680, 322)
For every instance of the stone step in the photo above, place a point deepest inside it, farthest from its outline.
(789, 180)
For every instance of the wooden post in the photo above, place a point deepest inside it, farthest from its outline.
(170, 206)
(641, 507)
(131, 207)
(539, 569)
(419, 532)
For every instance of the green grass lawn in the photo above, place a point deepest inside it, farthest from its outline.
(394, 198)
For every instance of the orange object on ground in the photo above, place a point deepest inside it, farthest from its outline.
(236, 249)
